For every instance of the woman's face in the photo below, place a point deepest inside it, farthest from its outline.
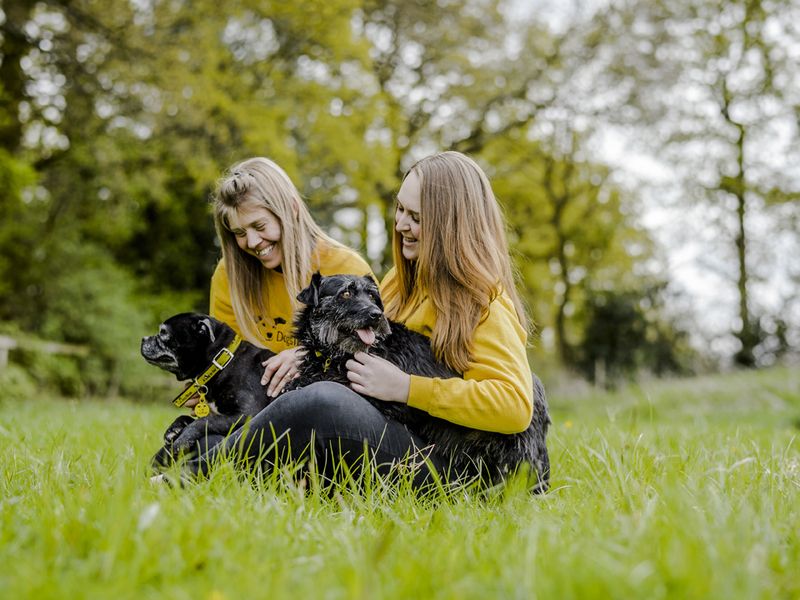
(406, 217)
(258, 232)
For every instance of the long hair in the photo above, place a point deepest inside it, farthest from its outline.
(260, 182)
(463, 261)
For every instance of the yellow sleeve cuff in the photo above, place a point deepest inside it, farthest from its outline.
(421, 392)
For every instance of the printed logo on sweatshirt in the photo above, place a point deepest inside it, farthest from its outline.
(277, 330)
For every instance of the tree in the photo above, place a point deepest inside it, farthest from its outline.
(626, 332)
(459, 75)
(573, 231)
(717, 82)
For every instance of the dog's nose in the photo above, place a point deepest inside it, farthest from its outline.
(375, 314)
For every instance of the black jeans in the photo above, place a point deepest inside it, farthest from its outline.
(328, 425)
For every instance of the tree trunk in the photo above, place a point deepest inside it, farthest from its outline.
(747, 336)
(12, 90)
(563, 347)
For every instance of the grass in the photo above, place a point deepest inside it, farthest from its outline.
(681, 489)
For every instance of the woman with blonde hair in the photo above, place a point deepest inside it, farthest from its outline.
(270, 248)
(452, 281)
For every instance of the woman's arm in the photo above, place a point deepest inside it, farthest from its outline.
(496, 393)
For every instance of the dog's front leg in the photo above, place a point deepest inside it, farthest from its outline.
(203, 433)
(166, 455)
(176, 428)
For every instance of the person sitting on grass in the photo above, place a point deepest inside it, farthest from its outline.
(452, 281)
(270, 248)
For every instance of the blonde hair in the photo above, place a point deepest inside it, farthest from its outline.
(463, 261)
(260, 182)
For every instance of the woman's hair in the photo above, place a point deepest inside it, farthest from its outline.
(262, 183)
(463, 261)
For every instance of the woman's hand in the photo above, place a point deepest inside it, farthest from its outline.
(192, 400)
(377, 377)
(281, 369)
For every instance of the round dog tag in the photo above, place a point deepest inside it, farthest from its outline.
(201, 409)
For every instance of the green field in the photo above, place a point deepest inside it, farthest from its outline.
(682, 489)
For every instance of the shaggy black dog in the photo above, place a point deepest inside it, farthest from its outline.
(343, 314)
(188, 345)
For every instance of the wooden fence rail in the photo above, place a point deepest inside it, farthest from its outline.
(8, 343)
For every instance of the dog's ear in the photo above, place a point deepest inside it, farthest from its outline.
(310, 295)
(206, 328)
(370, 278)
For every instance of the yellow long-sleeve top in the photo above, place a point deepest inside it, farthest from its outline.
(276, 327)
(496, 393)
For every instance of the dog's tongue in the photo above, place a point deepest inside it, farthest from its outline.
(367, 336)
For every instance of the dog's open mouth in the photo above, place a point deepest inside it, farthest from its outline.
(371, 334)
(366, 335)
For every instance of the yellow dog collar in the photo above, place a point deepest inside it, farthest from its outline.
(219, 362)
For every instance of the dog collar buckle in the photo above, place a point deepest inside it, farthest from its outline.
(217, 360)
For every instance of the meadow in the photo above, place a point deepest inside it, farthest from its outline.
(666, 489)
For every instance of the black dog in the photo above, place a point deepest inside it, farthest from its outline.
(189, 345)
(344, 315)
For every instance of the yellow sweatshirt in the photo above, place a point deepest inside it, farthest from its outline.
(276, 327)
(496, 393)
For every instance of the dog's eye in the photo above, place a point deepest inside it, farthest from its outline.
(345, 294)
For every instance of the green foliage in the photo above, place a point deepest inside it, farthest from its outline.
(626, 334)
(16, 177)
(671, 489)
(18, 384)
(572, 230)
(95, 306)
(53, 374)
(117, 119)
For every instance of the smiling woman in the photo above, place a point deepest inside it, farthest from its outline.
(258, 232)
(407, 216)
(270, 248)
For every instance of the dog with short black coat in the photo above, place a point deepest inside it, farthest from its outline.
(186, 345)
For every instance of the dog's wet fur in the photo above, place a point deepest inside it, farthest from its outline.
(343, 314)
(185, 345)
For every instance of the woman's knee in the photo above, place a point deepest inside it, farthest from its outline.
(313, 405)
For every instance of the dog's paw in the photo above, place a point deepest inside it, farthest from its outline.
(162, 460)
(176, 428)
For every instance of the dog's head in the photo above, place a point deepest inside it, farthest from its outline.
(183, 344)
(343, 314)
